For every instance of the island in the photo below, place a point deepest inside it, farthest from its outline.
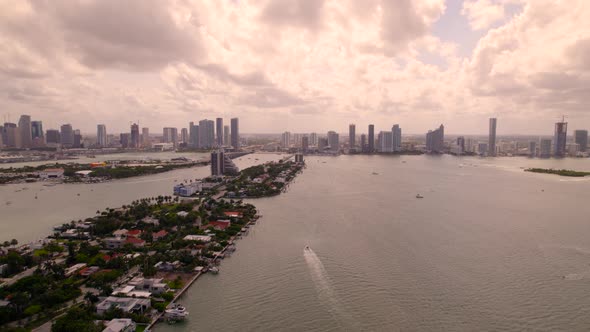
(129, 265)
(561, 172)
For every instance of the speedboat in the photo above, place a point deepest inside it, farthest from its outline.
(214, 270)
(307, 248)
(176, 312)
(419, 196)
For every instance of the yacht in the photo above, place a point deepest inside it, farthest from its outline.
(176, 312)
(214, 270)
(307, 248)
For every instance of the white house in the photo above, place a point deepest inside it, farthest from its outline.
(127, 304)
(120, 325)
(51, 173)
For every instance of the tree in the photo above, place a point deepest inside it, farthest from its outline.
(14, 242)
(75, 320)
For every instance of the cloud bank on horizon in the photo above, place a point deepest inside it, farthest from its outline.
(299, 65)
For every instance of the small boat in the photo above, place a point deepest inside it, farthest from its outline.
(307, 248)
(176, 313)
(375, 173)
(419, 196)
(214, 270)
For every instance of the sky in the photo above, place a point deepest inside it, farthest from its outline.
(297, 65)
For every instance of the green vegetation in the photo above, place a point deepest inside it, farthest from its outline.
(263, 180)
(562, 172)
(122, 172)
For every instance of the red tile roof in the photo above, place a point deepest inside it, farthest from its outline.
(134, 232)
(219, 224)
(159, 234)
(134, 240)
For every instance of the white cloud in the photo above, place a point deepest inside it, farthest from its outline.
(483, 13)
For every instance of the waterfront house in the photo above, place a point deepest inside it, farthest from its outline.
(120, 325)
(202, 238)
(219, 225)
(73, 269)
(127, 304)
(120, 232)
(153, 285)
(134, 233)
(167, 266)
(233, 214)
(159, 235)
(130, 291)
(151, 220)
(88, 271)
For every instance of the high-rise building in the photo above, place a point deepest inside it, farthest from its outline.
(297, 140)
(371, 138)
(206, 134)
(286, 140)
(313, 139)
(37, 134)
(219, 131)
(226, 140)
(492, 138)
(364, 143)
(435, 140)
(25, 131)
(333, 141)
(67, 135)
(322, 143)
(397, 137)
(170, 135)
(532, 149)
(581, 138)
(461, 143)
(545, 148)
(77, 139)
(134, 137)
(482, 149)
(193, 133)
(235, 133)
(305, 143)
(101, 135)
(10, 135)
(146, 142)
(385, 141)
(560, 139)
(1, 136)
(125, 139)
(184, 136)
(53, 137)
(351, 136)
(221, 164)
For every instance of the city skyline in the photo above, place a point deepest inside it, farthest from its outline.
(453, 62)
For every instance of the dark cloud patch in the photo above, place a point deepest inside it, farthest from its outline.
(296, 13)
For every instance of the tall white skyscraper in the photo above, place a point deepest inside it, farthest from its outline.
(206, 134)
(25, 131)
(101, 135)
(286, 140)
(385, 141)
(334, 140)
(235, 133)
(313, 139)
(146, 142)
(492, 138)
(226, 140)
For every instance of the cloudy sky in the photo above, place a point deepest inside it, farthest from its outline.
(298, 65)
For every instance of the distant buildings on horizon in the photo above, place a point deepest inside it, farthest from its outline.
(213, 134)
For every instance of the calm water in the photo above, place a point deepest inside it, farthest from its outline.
(490, 247)
(27, 218)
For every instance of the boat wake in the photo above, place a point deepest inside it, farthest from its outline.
(326, 292)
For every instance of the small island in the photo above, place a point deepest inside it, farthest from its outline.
(561, 172)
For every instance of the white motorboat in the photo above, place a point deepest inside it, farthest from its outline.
(214, 270)
(176, 312)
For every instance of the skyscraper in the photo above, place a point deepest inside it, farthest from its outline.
(305, 143)
(219, 131)
(124, 139)
(286, 140)
(226, 140)
(53, 137)
(545, 148)
(532, 149)
(560, 139)
(313, 139)
(435, 140)
(221, 164)
(193, 133)
(235, 133)
(461, 143)
(134, 137)
(101, 135)
(37, 133)
(351, 136)
(25, 131)
(364, 143)
(67, 135)
(10, 135)
(492, 138)
(170, 135)
(581, 138)
(77, 139)
(397, 137)
(385, 141)
(206, 134)
(333, 141)
(371, 143)
(146, 142)
(184, 136)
